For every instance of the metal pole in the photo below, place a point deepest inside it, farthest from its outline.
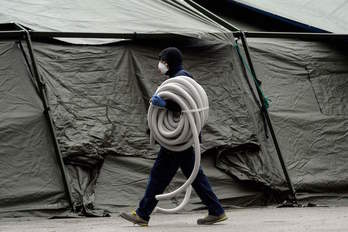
(6, 32)
(212, 16)
(131, 36)
(252, 90)
(4, 35)
(33, 81)
(26, 59)
(47, 112)
(263, 107)
(7, 35)
(268, 120)
(292, 35)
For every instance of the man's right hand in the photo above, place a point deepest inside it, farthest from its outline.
(158, 101)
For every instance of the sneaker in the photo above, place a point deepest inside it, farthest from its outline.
(211, 219)
(133, 217)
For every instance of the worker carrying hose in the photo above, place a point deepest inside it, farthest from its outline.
(168, 162)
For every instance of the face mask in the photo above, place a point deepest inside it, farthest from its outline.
(162, 68)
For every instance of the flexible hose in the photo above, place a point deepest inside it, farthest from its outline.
(179, 132)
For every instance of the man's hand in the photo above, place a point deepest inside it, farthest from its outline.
(158, 101)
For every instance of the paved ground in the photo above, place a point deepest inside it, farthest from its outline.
(255, 220)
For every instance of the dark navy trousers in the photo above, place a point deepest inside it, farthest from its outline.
(163, 171)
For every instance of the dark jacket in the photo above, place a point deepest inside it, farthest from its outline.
(173, 57)
(171, 105)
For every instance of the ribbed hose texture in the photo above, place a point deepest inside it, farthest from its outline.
(178, 132)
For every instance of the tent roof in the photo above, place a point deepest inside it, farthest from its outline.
(122, 16)
(327, 15)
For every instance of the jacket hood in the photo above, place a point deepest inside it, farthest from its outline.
(173, 57)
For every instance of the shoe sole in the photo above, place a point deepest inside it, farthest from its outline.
(213, 222)
(126, 217)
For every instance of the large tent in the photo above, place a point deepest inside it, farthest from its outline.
(98, 93)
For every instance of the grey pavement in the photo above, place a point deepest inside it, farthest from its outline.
(268, 219)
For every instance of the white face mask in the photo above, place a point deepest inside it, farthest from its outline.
(162, 68)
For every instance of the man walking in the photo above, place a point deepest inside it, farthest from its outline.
(168, 162)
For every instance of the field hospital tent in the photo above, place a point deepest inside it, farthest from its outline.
(96, 158)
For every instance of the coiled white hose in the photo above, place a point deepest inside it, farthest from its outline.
(178, 133)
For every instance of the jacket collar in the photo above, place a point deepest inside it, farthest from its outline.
(174, 70)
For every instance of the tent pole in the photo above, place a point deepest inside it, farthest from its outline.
(292, 35)
(7, 35)
(47, 112)
(25, 57)
(251, 89)
(95, 35)
(212, 16)
(268, 120)
(263, 107)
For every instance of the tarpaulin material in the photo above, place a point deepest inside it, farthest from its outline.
(122, 16)
(99, 97)
(30, 178)
(325, 15)
(307, 84)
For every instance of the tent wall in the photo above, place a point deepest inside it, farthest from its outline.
(30, 178)
(307, 84)
(100, 94)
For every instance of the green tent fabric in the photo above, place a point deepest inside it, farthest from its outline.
(122, 16)
(30, 178)
(315, 15)
(101, 103)
(307, 84)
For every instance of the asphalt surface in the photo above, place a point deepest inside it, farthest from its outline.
(252, 219)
